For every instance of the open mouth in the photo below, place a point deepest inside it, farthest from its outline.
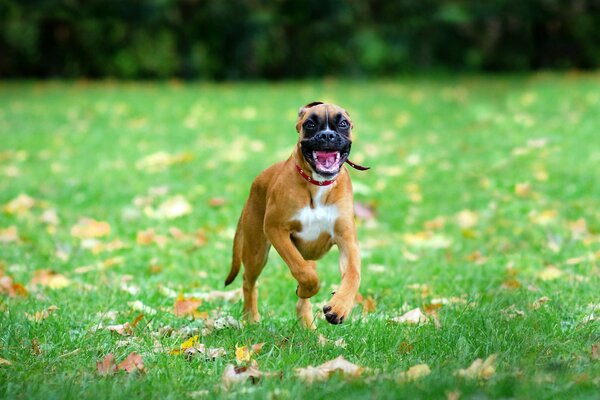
(327, 161)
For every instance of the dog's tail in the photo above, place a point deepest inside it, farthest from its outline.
(236, 258)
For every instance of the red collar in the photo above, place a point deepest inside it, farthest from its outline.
(309, 179)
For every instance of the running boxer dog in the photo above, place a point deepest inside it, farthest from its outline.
(303, 206)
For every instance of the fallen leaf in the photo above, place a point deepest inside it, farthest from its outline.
(539, 302)
(171, 208)
(49, 217)
(466, 219)
(20, 205)
(479, 369)
(324, 371)
(223, 322)
(414, 316)
(368, 304)
(188, 306)
(149, 237)
(133, 362)
(5, 362)
(122, 329)
(107, 366)
(523, 189)
(415, 372)
(207, 353)
(242, 354)
(50, 279)
(550, 273)
(512, 312)
(41, 315)
(323, 341)
(139, 306)
(238, 374)
(10, 288)
(87, 228)
(9, 235)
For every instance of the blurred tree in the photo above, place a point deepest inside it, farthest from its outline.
(277, 39)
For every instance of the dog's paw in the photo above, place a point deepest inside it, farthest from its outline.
(336, 311)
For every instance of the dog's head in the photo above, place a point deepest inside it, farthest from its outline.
(325, 137)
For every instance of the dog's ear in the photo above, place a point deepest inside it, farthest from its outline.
(303, 109)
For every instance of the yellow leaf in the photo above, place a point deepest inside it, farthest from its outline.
(50, 279)
(20, 205)
(415, 372)
(87, 228)
(550, 273)
(242, 354)
(479, 369)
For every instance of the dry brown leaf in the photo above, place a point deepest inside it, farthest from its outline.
(10, 288)
(339, 365)
(5, 362)
(41, 315)
(550, 273)
(539, 302)
(368, 304)
(50, 279)
(149, 237)
(415, 372)
(107, 366)
(9, 235)
(20, 205)
(512, 312)
(238, 374)
(132, 363)
(414, 316)
(479, 369)
(188, 306)
(88, 228)
(323, 341)
(207, 353)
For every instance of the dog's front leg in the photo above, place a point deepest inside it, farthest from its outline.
(305, 272)
(342, 301)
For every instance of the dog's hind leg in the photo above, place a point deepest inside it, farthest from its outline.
(254, 258)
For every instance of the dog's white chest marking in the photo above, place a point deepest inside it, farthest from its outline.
(316, 220)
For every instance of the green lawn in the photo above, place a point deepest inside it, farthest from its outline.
(485, 189)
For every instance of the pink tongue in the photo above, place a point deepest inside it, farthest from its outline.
(326, 158)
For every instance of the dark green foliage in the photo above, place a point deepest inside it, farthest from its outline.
(241, 39)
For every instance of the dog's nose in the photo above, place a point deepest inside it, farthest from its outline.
(327, 137)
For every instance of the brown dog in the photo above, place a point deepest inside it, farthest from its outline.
(302, 207)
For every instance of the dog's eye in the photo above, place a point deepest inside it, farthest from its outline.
(343, 124)
(310, 125)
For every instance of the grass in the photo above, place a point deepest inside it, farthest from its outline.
(519, 154)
